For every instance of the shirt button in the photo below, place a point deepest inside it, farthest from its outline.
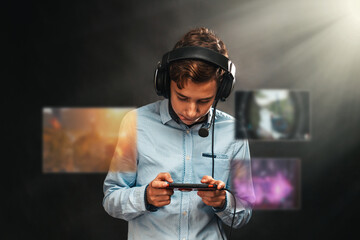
(187, 131)
(187, 158)
(184, 213)
(184, 239)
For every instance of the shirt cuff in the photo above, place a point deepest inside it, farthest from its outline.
(229, 208)
(149, 206)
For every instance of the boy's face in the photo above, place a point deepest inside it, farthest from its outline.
(193, 101)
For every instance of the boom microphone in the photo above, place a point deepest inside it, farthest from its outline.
(204, 130)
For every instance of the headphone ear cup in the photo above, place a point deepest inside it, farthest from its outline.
(161, 84)
(157, 81)
(225, 88)
(166, 84)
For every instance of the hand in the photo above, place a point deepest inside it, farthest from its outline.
(157, 194)
(213, 198)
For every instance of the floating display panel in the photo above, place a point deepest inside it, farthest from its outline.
(272, 115)
(80, 140)
(276, 183)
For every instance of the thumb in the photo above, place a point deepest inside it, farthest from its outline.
(165, 176)
(207, 179)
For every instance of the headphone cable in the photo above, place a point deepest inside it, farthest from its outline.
(213, 163)
(212, 136)
(233, 218)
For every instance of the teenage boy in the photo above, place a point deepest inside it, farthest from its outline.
(160, 144)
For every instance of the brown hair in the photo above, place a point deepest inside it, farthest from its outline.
(196, 70)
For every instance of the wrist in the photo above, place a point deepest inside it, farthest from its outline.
(222, 207)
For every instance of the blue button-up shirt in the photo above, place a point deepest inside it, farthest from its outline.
(164, 145)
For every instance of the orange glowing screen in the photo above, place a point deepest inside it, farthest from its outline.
(86, 140)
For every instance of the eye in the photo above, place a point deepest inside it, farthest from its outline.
(182, 99)
(204, 101)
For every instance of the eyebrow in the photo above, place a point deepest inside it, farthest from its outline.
(202, 99)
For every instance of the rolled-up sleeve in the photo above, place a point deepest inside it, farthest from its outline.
(121, 199)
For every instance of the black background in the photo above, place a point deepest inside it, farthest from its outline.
(103, 53)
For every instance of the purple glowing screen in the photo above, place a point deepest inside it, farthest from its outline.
(276, 183)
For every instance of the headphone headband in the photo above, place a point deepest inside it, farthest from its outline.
(162, 79)
(200, 53)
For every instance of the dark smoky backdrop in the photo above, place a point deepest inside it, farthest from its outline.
(103, 54)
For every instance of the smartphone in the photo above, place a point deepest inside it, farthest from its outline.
(192, 186)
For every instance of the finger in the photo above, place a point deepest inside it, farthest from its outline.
(162, 198)
(204, 193)
(166, 202)
(164, 176)
(213, 201)
(153, 198)
(207, 179)
(211, 194)
(159, 184)
(162, 203)
(210, 201)
(220, 184)
(163, 192)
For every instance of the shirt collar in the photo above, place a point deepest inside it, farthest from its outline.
(164, 111)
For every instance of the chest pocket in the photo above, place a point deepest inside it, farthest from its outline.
(204, 166)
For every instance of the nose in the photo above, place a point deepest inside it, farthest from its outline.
(192, 110)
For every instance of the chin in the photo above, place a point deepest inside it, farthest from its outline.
(188, 123)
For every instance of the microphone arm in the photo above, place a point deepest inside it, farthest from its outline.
(204, 130)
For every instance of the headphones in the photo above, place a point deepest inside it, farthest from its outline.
(162, 78)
